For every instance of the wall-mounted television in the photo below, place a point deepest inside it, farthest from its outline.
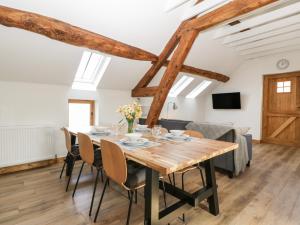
(227, 100)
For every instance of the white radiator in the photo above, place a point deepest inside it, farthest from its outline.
(25, 143)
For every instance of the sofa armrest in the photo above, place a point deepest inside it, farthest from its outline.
(249, 145)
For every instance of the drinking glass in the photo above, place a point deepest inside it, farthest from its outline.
(156, 130)
(115, 129)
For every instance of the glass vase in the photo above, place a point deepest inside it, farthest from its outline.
(130, 126)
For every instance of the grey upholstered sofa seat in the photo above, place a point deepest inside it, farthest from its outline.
(224, 163)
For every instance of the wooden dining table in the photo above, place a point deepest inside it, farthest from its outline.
(166, 158)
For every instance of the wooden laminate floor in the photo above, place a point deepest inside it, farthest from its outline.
(266, 194)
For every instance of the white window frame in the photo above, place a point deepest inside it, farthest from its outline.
(90, 71)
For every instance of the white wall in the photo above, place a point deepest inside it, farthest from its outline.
(107, 102)
(248, 79)
(188, 109)
(40, 104)
(34, 104)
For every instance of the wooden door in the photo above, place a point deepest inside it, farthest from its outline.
(281, 109)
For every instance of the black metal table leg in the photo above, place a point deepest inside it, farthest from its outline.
(152, 197)
(211, 183)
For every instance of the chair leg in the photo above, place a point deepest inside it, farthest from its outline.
(95, 186)
(164, 193)
(135, 193)
(71, 171)
(78, 179)
(202, 177)
(128, 194)
(62, 170)
(174, 182)
(170, 180)
(100, 202)
(129, 209)
(102, 178)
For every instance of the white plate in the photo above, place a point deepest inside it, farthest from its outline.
(100, 133)
(142, 126)
(139, 142)
(177, 137)
(101, 129)
(142, 129)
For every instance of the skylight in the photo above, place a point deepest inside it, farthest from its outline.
(90, 71)
(180, 86)
(199, 89)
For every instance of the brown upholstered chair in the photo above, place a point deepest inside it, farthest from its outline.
(92, 157)
(116, 168)
(193, 133)
(72, 155)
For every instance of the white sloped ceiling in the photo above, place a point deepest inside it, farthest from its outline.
(29, 57)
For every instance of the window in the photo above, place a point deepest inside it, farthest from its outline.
(284, 87)
(199, 89)
(180, 86)
(81, 113)
(90, 71)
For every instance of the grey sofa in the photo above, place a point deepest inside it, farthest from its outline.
(223, 163)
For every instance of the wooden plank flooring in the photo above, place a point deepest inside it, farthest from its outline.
(266, 194)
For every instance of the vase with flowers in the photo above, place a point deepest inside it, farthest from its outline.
(131, 112)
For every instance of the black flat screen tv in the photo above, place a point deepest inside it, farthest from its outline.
(227, 100)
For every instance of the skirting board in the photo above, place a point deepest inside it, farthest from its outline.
(256, 141)
(29, 166)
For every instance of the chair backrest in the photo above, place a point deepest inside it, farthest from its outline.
(114, 162)
(67, 139)
(193, 133)
(86, 148)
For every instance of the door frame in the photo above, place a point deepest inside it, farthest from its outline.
(266, 79)
(92, 107)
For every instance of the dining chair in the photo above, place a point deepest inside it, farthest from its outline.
(195, 134)
(131, 178)
(93, 158)
(72, 155)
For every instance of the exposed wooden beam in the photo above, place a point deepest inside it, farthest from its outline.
(201, 72)
(259, 20)
(180, 54)
(162, 61)
(198, 1)
(69, 34)
(144, 92)
(167, 51)
(229, 11)
(188, 34)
